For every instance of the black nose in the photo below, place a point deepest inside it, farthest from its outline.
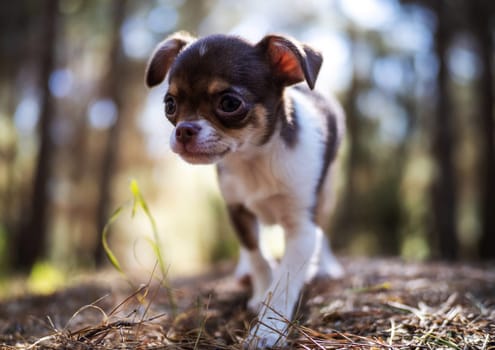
(186, 131)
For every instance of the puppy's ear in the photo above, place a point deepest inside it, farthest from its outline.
(163, 56)
(291, 61)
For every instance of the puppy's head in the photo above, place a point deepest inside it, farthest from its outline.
(225, 94)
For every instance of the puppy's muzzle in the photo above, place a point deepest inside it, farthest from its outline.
(187, 132)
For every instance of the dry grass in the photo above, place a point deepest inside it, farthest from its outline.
(381, 304)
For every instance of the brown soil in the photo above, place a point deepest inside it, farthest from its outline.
(379, 304)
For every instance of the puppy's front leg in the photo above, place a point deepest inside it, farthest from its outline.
(300, 262)
(252, 258)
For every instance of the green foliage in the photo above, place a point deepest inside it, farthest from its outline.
(138, 203)
(155, 242)
(104, 240)
(45, 278)
(415, 248)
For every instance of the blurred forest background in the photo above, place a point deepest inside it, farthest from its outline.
(417, 175)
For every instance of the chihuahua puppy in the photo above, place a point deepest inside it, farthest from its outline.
(232, 104)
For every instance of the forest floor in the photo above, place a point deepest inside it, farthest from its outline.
(379, 304)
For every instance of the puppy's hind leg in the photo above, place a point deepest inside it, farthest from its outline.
(252, 262)
(329, 265)
(242, 271)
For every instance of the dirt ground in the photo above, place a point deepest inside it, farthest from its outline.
(380, 303)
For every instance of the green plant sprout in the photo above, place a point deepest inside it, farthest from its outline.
(139, 202)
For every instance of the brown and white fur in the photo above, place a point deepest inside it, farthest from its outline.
(231, 104)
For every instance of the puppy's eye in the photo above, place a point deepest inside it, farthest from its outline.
(170, 105)
(229, 104)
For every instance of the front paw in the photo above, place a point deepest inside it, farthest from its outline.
(262, 337)
(270, 330)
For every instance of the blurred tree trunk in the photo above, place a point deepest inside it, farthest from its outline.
(444, 196)
(14, 19)
(112, 89)
(30, 242)
(482, 13)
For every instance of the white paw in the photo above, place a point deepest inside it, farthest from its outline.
(331, 269)
(262, 337)
(329, 266)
